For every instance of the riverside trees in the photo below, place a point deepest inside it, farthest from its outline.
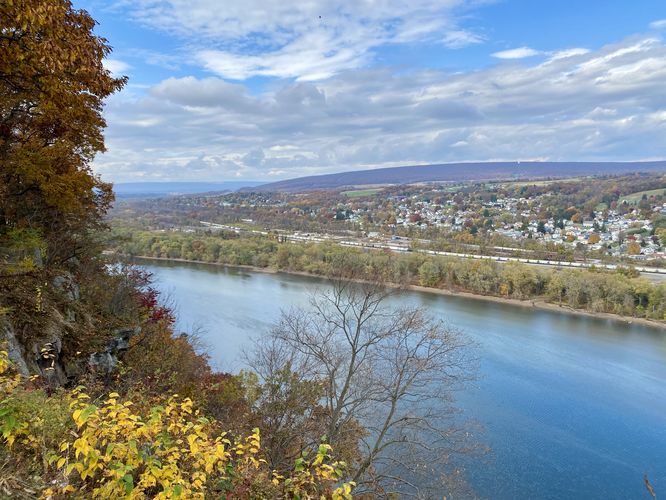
(621, 292)
(379, 381)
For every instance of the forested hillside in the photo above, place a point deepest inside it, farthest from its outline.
(457, 172)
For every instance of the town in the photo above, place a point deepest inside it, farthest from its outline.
(602, 218)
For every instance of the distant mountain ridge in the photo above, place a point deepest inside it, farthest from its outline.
(448, 172)
(159, 189)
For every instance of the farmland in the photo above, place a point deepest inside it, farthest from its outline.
(634, 198)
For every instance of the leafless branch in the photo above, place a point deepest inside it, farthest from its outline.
(387, 375)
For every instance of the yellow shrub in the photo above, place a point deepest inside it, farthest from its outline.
(10, 427)
(115, 450)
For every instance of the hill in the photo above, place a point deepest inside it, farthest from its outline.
(160, 189)
(457, 172)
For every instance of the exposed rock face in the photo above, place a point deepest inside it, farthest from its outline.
(106, 361)
(66, 283)
(44, 358)
(13, 347)
(43, 355)
(68, 286)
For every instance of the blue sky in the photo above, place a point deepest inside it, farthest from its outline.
(268, 90)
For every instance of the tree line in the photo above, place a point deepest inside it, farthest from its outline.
(622, 292)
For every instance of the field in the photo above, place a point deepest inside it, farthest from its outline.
(634, 198)
(542, 182)
(361, 192)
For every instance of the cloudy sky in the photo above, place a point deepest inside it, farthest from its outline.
(272, 89)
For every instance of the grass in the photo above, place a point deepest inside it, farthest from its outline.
(547, 182)
(634, 198)
(361, 192)
(453, 189)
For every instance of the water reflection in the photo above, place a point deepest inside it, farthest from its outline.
(573, 406)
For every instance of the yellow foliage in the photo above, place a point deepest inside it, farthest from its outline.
(10, 428)
(633, 248)
(115, 450)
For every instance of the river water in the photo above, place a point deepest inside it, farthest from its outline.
(571, 406)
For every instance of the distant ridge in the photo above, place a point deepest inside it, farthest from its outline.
(160, 189)
(482, 171)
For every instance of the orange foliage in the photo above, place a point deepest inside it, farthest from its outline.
(52, 87)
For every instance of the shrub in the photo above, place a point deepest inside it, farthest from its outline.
(119, 448)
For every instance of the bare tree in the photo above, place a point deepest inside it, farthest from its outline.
(386, 375)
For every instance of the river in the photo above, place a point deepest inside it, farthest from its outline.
(571, 406)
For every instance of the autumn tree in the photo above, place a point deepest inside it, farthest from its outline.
(633, 248)
(52, 87)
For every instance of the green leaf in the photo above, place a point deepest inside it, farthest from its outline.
(129, 483)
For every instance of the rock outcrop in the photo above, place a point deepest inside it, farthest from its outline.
(14, 349)
(105, 362)
(42, 355)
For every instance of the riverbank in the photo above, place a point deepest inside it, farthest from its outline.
(537, 302)
(540, 303)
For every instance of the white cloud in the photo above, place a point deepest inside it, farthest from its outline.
(606, 104)
(658, 25)
(116, 66)
(518, 53)
(310, 58)
(621, 53)
(154, 58)
(561, 54)
(457, 39)
(306, 40)
(267, 22)
(190, 91)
